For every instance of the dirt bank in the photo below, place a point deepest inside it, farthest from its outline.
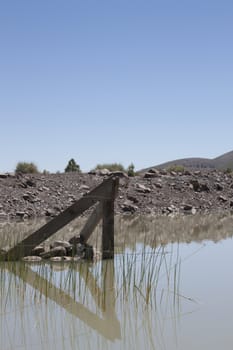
(154, 192)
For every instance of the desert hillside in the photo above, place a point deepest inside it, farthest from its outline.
(222, 162)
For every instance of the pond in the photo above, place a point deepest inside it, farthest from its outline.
(169, 287)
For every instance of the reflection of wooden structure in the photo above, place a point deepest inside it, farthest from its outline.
(105, 194)
(107, 325)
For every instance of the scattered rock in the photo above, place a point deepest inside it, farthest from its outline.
(132, 198)
(194, 211)
(84, 187)
(22, 184)
(57, 258)
(20, 214)
(103, 172)
(218, 187)
(61, 259)
(30, 183)
(76, 239)
(92, 172)
(50, 212)
(68, 258)
(154, 171)
(57, 251)
(32, 258)
(142, 188)
(84, 251)
(59, 243)
(150, 175)
(3, 216)
(187, 207)
(119, 174)
(38, 250)
(199, 187)
(222, 199)
(171, 209)
(22, 196)
(3, 251)
(29, 197)
(128, 207)
(158, 185)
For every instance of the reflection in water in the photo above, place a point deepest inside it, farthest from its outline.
(112, 304)
(108, 326)
(158, 293)
(130, 230)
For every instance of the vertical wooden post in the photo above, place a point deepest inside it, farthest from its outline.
(108, 230)
(108, 223)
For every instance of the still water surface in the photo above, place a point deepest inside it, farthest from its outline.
(170, 286)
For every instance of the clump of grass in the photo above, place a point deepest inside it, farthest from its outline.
(26, 168)
(228, 171)
(110, 167)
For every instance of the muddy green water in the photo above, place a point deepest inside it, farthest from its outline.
(170, 286)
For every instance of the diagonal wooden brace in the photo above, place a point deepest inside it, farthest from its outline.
(106, 191)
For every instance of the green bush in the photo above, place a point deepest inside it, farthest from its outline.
(72, 166)
(26, 168)
(228, 170)
(110, 167)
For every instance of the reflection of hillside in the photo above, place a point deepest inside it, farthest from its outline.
(130, 230)
(163, 230)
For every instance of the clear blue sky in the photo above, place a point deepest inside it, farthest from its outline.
(114, 81)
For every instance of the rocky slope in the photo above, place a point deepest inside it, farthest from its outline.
(154, 192)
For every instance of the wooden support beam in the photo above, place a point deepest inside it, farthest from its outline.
(108, 223)
(108, 230)
(106, 192)
(92, 222)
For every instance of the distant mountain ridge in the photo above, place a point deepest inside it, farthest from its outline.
(225, 161)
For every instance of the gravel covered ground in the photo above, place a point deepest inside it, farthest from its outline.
(154, 192)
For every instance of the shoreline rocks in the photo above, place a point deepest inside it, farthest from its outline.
(73, 250)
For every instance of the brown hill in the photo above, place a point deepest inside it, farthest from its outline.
(223, 162)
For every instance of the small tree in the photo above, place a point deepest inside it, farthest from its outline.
(110, 167)
(72, 166)
(130, 170)
(26, 168)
